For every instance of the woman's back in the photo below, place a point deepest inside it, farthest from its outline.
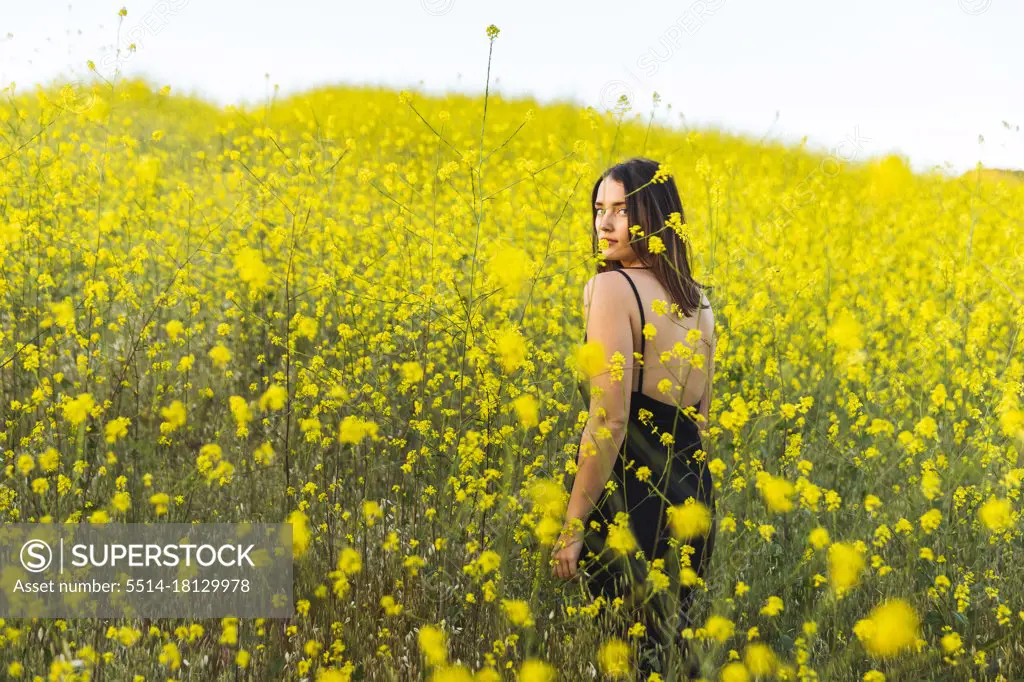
(668, 354)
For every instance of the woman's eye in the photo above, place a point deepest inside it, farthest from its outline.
(599, 211)
(622, 211)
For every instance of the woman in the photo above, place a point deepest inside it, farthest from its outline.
(664, 387)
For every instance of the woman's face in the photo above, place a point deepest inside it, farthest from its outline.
(612, 222)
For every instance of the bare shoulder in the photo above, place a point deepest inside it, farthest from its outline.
(606, 287)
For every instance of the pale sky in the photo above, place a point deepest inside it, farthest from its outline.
(923, 78)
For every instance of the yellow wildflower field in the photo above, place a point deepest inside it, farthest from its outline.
(360, 311)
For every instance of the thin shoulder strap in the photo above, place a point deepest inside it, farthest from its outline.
(643, 341)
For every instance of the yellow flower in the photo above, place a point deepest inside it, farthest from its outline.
(760, 659)
(306, 327)
(220, 355)
(890, 628)
(845, 562)
(590, 358)
(412, 372)
(349, 561)
(509, 269)
(535, 670)
(952, 643)
(169, 656)
(122, 501)
(734, 672)
(658, 579)
(334, 674)
(389, 605)
(264, 454)
(433, 644)
(548, 496)
(117, 428)
(776, 492)
(174, 328)
(526, 407)
(675, 223)
(371, 512)
(185, 363)
(687, 576)
(240, 411)
(50, 459)
(353, 429)
(819, 538)
(77, 411)
(174, 415)
(209, 454)
(931, 520)
(927, 428)
(996, 514)
(772, 607)
(300, 533)
(517, 611)
(719, 628)
(413, 564)
(273, 398)
(930, 484)
(488, 562)
(621, 538)
(159, 501)
(128, 636)
(26, 464)
(614, 658)
(63, 313)
(689, 520)
(511, 350)
(251, 269)
(845, 331)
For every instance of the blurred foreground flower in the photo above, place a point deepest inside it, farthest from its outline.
(890, 628)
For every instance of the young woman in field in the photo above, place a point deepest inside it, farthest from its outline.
(646, 420)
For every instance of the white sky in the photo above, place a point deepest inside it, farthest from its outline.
(919, 77)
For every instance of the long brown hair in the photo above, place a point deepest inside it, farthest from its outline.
(648, 204)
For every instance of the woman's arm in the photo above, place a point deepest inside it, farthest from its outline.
(608, 328)
(595, 463)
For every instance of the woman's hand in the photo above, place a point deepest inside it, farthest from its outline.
(566, 554)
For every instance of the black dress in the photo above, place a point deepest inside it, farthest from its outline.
(678, 476)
